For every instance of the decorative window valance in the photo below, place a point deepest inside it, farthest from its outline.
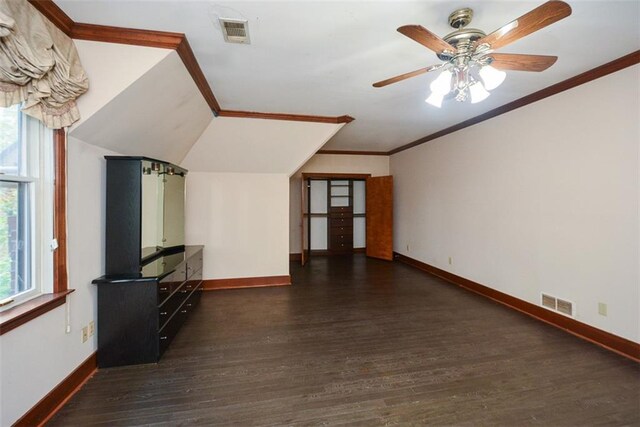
(39, 65)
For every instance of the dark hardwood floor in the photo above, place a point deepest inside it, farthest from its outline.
(364, 342)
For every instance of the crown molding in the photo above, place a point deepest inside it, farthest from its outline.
(54, 14)
(165, 40)
(595, 73)
(285, 116)
(354, 152)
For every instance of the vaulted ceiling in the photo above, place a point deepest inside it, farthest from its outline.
(320, 58)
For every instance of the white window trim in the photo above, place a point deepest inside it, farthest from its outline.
(40, 172)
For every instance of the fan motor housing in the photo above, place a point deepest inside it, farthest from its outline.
(470, 34)
(462, 37)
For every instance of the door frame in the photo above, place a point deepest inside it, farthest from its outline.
(306, 177)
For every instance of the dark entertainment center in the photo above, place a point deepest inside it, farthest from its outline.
(152, 281)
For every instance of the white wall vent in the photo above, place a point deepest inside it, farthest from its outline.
(565, 307)
(548, 301)
(557, 304)
(235, 30)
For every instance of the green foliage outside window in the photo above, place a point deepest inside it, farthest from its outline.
(9, 131)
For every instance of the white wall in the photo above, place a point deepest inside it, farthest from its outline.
(37, 356)
(242, 221)
(327, 163)
(541, 199)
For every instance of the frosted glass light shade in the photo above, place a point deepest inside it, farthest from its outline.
(478, 92)
(442, 84)
(491, 77)
(435, 99)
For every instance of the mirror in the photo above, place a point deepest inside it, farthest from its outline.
(173, 217)
(152, 207)
(162, 207)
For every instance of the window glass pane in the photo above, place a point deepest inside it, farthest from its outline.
(11, 147)
(14, 239)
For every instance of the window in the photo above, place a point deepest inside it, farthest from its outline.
(26, 207)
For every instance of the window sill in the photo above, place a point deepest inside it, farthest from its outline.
(14, 317)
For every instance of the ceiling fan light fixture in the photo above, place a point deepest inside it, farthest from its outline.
(435, 99)
(478, 92)
(491, 77)
(442, 84)
(467, 53)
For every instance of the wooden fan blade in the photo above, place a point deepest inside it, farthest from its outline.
(407, 75)
(513, 61)
(425, 38)
(538, 18)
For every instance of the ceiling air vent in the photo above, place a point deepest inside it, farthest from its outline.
(235, 30)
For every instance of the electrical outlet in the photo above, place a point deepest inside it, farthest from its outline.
(602, 309)
(85, 334)
(450, 260)
(92, 328)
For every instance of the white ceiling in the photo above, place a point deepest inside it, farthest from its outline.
(315, 57)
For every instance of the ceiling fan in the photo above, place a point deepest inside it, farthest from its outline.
(470, 66)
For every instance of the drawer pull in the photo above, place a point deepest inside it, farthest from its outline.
(164, 337)
(163, 313)
(189, 305)
(163, 289)
(183, 311)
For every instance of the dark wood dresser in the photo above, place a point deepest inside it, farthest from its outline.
(152, 281)
(341, 229)
(340, 199)
(139, 316)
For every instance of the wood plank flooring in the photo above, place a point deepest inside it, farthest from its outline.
(357, 341)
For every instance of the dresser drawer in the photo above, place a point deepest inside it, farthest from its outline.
(341, 222)
(169, 329)
(171, 283)
(342, 247)
(170, 305)
(343, 229)
(336, 215)
(341, 238)
(194, 265)
(340, 209)
(341, 243)
(194, 298)
(166, 334)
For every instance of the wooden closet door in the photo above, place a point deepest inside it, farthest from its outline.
(379, 214)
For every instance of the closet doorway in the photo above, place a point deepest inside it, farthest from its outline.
(344, 214)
